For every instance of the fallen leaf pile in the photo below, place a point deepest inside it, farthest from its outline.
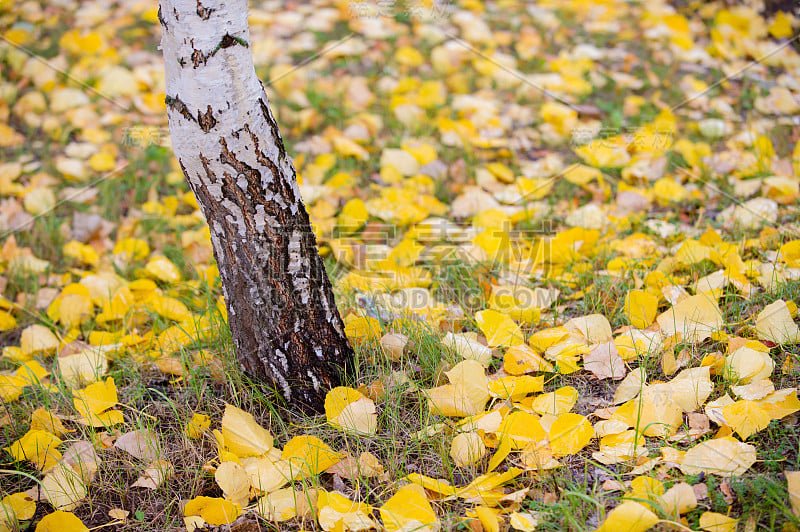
(565, 232)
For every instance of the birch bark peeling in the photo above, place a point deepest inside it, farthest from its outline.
(281, 310)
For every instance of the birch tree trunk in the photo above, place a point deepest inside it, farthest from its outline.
(281, 310)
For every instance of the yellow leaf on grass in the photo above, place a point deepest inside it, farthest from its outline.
(521, 359)
(354, 214)
(793, 486)
(162, 269)
(466, 394)
(467, 448)
(569, 433)
(714, 522)
(440, 486)
(38, 447)
(93, 402)
(515, 388)
(309, 455)
(362, 329)
(695, 318)
(654, 412)
(557, 402)
(775, 324)
(197, 426)
(338, 513)
(722, 456)
(350, 410)
(169, 308)
(234, 482)
(268, 474)
(287, 503)
(214, 510)
(640, 308)
(499, 329)
(64, 487)
(37, 340)
(746, 417)
(523, 521)
(85, 364)
(409, 509)
(59, 521)
(747, 365)
(520, 429)
(678, 500)
(593, 328)
(17, 506)
(243, 435)
(490, 521)
(629, 516)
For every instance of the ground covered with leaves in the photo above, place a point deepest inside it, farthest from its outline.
(563, 235)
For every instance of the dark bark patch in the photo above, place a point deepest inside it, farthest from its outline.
(206, 120)
(229, 40)
(161, 18)
(175, 103)
(274, 129)
(203, 12)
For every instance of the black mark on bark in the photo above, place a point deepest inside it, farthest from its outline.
(206, 120)
(203, 12)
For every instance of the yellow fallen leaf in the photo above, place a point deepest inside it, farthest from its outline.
(714, 522)
(234, 482)
(747, 365)
(309, 455)
(409, 509)
(63, 487)
(467, 448)
(793, 486)
(514, 388)
(38, 447)
(499, 329)
(362, 329)
(83, 365)
(695, 318)
(654, 413)
(162, 269)
(640, 308)
(745, 417)
(338, 513)
(523, 521)
(593, 328)
(197, 426)
(557, 402)
(466, 394)
(350, 410)
(629, 516)
(354, 215)
(38, 340)
(678, 500)
(468, 348)
(722, 456)
(521, 359)
(17, 506)
(775, 324)
(569, 433)
(93, 402)
(214, 510)
(266, 474)
(60, 521)
(243, 435)
(490, 521)
(521, 429)
(287, 503)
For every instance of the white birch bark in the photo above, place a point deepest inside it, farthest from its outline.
(281, 310)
